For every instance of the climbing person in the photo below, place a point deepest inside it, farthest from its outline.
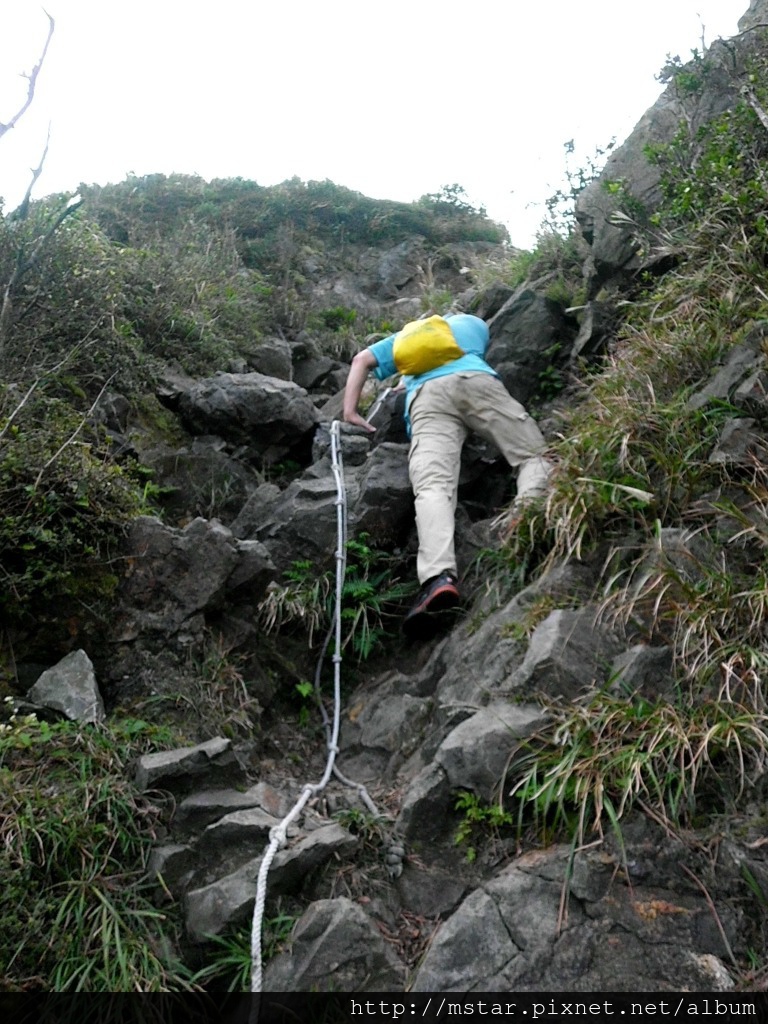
(450, 391)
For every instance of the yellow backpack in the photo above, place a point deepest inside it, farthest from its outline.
(423, 345)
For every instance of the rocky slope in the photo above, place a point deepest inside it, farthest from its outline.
(385, 897)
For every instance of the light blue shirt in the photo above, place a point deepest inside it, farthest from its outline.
(472, 337)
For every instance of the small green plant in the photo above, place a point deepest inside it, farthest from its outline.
(306, 691)
(371, 829)
(369, 590)
(480, 823)
(337, 318)
(229, 968)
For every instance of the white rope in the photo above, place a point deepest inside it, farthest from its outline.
(279, 832)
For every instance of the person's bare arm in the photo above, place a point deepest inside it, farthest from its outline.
(361, 366)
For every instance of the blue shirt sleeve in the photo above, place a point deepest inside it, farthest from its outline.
(382, 351)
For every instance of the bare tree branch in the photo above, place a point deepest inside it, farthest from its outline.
(22, 210)
(31, 79)
(24, 263)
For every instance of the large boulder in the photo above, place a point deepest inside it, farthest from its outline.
(530, 338)
(175, 578)
(273, 418)
(336, 947)
(70, 687)
(615, 249)
(545, 923)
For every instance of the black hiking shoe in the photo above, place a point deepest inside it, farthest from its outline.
(437, 595)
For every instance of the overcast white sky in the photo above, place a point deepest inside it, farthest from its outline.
(393, 100)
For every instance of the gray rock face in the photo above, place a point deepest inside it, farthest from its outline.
(228, 901)
(175, 576)
(614, 245)
(568, 654)
(511, 934)
(336, 947)
(70, 687)
(268, 415)
(530, 336)
(210, 764)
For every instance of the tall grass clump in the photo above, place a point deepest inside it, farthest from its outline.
(75, 907)
(605, 756)
(678, 536)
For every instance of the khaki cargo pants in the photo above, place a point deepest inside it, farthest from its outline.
(443, 412)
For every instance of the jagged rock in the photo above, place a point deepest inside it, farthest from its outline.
(312, 372)
(490, 300)
(255, 510)
(271, 417)
(253, 571)
(201, 479)
(210, 765)
(304, 518)
(303, 521)
(475, 756)
(644, 670)
(431, 890)
(530, 336)
(510, 934)
(398, 267)
(740, 444)
(381, 732)
(273, 358)
(568, 654)
(174, 577)
(172, 865)
(755, 16)
(70, 687)
(229, 900)
(597, 324)
(751, 396)
(335, 947)
(383, 507)
(198, 810)
(742, 360)
(354, 444)
(614, 245)
(477, 753)
(231, 841)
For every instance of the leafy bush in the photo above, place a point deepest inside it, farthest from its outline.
(65, 502)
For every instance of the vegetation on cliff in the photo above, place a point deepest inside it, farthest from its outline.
(175, 270)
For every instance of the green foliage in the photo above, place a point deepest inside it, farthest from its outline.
(75, 911)
(65, 503)
(713, 176)
(481, 823)
(371, 589)
(601, 757)
(319, 210)
(229, 966)
(338, 317)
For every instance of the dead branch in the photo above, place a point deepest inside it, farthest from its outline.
(31, 81)
(24, 263)
(22, 210)
(71, 439)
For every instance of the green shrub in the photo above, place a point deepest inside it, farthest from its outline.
(65, 503)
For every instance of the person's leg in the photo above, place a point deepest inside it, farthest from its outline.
(434, 461)
(488, 408)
